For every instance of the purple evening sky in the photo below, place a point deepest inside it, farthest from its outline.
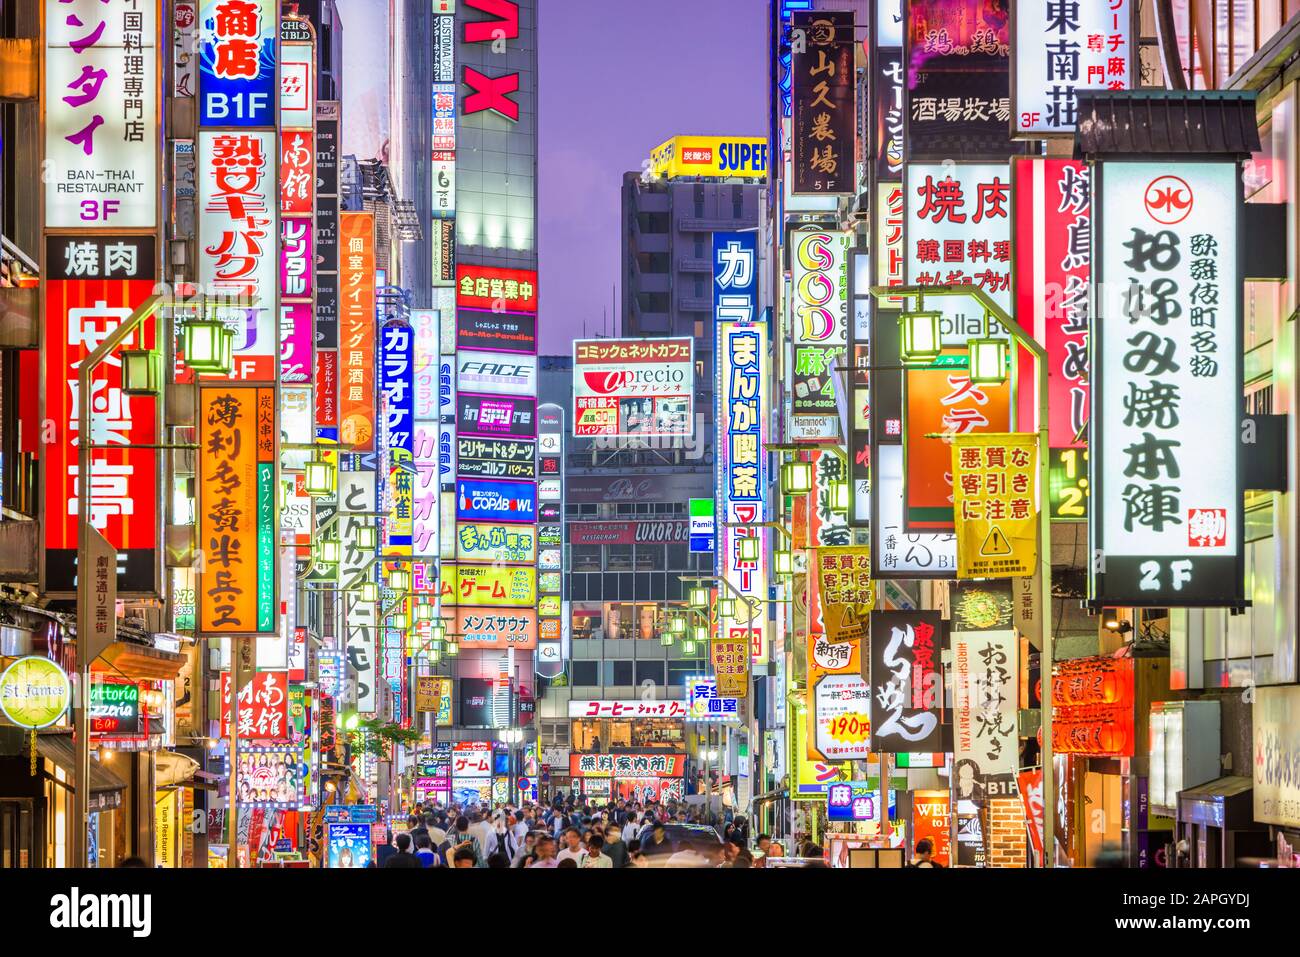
(617, 79)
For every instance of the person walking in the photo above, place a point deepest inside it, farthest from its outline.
(573, 849)
(403, 857)
(545, 852)
(615, 848)
(594, 857)
(924, 854)
(458, 839)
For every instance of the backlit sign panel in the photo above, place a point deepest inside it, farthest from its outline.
(633, 387)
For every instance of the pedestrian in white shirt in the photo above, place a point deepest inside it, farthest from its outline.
(573, 848)
(594, 856)
(631, 829)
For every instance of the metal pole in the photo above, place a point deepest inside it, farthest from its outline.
(81, 723)
(1045, 614)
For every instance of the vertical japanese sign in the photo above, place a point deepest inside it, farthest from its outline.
(397, 369)
(906, 681)
(92, 285)
(1064, 47)
(819, 321)
(839, 721)
(742, 466)
(238, 248)
(100, 104)
(985, 676)
(846, 591)
(425, 433)
(735, 277)
(887, 111)
(357, 335)
(237, 63)
(297, 115)
(1053, 201)
(357, 495)
(823, 106)
(552, 609)
(958, 79)
(942, 400)
(237, 522)
(995, 503)
(730, 656)
(1165, 519)
(263, 706)
(327, 263)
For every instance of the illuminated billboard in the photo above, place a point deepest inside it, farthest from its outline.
(722, 156)
(633, 387)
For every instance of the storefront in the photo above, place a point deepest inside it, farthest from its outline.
(629, 776)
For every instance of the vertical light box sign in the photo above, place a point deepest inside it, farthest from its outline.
(101, 114)
(742, 474)
(237, 522)
(297, 166)
(357, 497)
(424, 448)
(1166, 516)
(1062, 48)
(237, 53)
(396, 369)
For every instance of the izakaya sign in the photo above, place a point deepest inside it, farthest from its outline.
(819, 316)
(101, 114)
(1165, 519)
(1053, 203)
(1064, 47)
(742, 424)
(633, 387)
(906, 681)
(92, 285)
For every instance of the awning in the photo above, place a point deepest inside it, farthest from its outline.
(143, 662)
(105, 787)
(1163, 122)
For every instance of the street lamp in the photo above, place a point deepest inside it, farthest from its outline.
(749, 549)
(368, 592)
(327, 551)
(141, 372)
(921, 339)
(209, 345)
(366, 537)
(726, 608)
(988, 361)
(840, 496)
(677, 624)
(319, 476)
(782, 562)
(399, 579)
(796, 478)
(424, 611)
(699, 597)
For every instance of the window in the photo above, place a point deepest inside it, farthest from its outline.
(555, 733)
(584, 558)
(649, 558)
(618, 558)
(650, 671)
(586, 672)
(679, 671)
(618, 673)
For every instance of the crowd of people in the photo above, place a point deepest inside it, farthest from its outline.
(571, 833)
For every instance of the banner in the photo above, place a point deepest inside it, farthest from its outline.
(996, 504)
(433, 694)
(627, 765)
(846, 590)
(906, 682)
(985, 675)
(633, 387)
(839, 721)
(100, 101)
(92, 285)
(357, 331)
(489, 585)
(497, 628)
(504, 544)
(819, 318)
(739, 157)
(238, 528)
(730, 656)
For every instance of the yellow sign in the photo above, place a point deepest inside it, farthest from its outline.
(846, 590)
(166, 832)
(34, 692)
(813, 777)
(995, 502)
(434, 694)
(489, 586)
(743, 157)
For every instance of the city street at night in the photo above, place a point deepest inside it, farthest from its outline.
(772, 435)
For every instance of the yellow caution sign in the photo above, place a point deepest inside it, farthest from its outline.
(995, 504)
